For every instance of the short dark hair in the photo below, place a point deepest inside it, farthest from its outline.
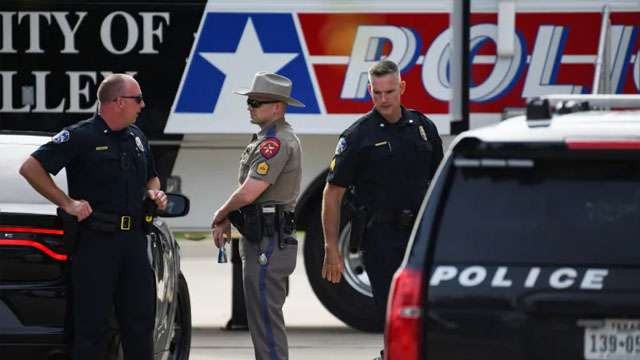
(382, 68)
(112, 87)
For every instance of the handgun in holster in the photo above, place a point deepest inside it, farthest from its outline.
(70, 227)
(359, 221)
(286, 228)
(150, 210)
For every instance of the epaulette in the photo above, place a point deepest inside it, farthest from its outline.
(79, 124)
(359, 122)
(422, 117)
(419, 114)
(136, 129)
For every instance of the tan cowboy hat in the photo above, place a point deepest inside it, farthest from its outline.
(272, 86)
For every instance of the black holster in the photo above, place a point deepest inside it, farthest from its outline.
(70, 228)
(287, 228)
(237, 220)
(359, 221)
(150, 211)
(287, 222)
(248, 221)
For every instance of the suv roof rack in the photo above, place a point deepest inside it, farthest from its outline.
(541, 109)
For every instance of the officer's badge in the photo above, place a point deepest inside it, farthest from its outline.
(62, 136)
(342, 146)
(423, 133)
(139, 144)
(333, 164)
(262, 168)
(269, 148)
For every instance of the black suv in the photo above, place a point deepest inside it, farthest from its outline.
(528, 242)
(33, 270)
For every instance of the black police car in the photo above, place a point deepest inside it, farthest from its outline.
(33, 266)
(528, 242)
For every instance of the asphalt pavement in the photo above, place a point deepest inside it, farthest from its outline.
(308, 343)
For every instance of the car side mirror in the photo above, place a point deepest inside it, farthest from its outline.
(177, 205)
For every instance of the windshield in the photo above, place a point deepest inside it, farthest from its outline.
(543, 210)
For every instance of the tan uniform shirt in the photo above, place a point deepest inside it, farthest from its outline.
(274, 156)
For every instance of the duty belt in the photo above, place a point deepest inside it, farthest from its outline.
(113, 222)
(403, 217)
(255, 221)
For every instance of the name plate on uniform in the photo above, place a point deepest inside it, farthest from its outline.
(618, 339)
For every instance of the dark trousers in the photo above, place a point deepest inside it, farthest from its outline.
(383, 250)
(111, 271)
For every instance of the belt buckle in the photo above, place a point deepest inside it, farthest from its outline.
(125, 222)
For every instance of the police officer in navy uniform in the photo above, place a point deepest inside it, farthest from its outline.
(269, 184)
(388, 158)
(110, 170)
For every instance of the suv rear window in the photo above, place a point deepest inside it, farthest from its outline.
(542, 211)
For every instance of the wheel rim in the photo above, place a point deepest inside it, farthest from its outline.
(354, 270)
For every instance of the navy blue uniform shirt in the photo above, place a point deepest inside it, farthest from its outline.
(390, 165)
(109, 169)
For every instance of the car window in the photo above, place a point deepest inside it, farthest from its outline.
(541, 211)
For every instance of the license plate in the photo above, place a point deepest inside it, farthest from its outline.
(617, 339)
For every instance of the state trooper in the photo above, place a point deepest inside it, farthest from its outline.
(262, 210)
(387, 159)
(110, 170)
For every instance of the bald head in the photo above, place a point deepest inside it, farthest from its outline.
(120, 100)
(113, 86)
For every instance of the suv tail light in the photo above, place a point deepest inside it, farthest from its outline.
(403, 330)
(47, 241)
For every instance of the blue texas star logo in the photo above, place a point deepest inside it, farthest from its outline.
(231, 48)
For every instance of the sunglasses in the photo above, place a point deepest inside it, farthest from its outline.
(257, 103)
(138, 98)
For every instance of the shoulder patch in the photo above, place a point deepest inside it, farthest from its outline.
(269, 147)
(341, 146)
(262, 168)
(62, 136)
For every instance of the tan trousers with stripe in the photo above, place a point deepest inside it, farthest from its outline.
(265, 289)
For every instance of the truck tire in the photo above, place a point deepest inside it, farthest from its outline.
(350, 300)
